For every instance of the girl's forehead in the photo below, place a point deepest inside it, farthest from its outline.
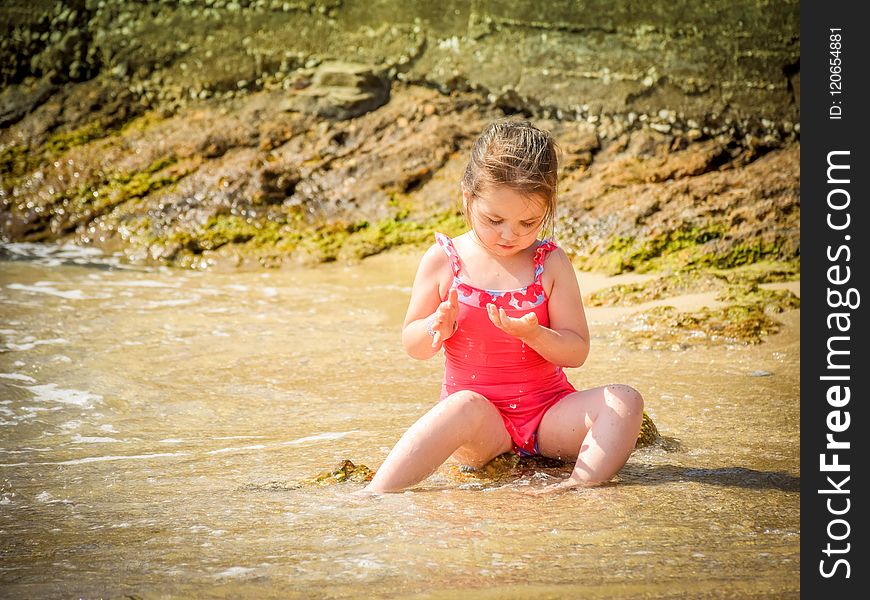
(508, 202)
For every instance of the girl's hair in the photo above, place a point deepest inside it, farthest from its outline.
(518, 155)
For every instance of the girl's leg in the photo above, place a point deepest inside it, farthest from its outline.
(597, 427)
(464, 423)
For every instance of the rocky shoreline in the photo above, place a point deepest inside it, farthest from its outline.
(269, 133)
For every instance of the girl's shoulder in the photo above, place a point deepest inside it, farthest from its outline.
(434, 256)
(435, 263)
(556, 267)
(552, 256)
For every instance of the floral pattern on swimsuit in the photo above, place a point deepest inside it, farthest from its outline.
(522, 298)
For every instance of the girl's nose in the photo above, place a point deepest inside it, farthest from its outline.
(508, 233)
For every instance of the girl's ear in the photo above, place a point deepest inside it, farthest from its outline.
(466, 196)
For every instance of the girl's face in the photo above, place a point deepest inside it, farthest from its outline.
(504, 221)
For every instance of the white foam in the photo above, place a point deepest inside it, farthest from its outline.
(50, 291)
(18, 377)
(222, 450)
(176, 302)
(30, 345)
(49, 499)
(235, 572)
(150, 283)
(80, 439)
(90, 459)
(51, 393)
(329, 435)
(56, 254)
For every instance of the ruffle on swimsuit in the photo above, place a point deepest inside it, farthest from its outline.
(522, 298)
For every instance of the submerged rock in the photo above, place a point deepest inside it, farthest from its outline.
(649, 433)
(345, 472)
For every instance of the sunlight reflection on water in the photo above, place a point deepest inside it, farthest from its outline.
(145, 410)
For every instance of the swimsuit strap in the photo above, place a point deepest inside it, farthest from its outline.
(541, 253)
(447, 244)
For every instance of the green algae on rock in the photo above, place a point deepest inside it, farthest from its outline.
(739, 285)
(743, 317)
(666, 328)
(345, 472)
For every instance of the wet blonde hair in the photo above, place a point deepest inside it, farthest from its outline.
(517, 155)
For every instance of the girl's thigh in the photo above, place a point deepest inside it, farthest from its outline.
(566, 423)
(490, 438)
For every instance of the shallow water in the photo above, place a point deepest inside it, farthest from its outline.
(145, 414)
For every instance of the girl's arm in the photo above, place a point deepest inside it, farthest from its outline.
(566, 341)
(431, 283)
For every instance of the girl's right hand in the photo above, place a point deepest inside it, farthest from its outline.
(443, 320)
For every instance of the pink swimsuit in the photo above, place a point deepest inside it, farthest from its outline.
(480, 357)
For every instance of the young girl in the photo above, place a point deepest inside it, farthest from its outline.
(506, 308)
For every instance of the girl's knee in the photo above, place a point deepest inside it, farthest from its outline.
(467, 402)
(626, 396)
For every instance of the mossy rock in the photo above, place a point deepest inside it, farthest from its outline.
(736, 286)
(665, 327)
(346, 471)
(510, 465)
(649, 433)
(507, 467)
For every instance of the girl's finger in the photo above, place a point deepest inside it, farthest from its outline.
(436, 339)
(497, 317)
(453, 298)
(490, 314)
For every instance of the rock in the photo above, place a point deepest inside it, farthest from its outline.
(649, 433)
(18, 100)
(341, 91)
(346, 471)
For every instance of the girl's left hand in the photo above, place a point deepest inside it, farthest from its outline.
(523, 327)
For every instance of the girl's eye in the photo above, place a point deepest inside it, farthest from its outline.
(494, 221)
(527, 225)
